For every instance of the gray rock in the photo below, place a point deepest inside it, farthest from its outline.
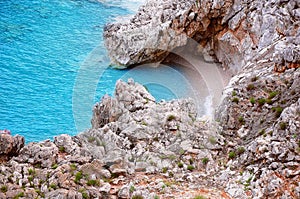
(124, 192)
(95, 168)
(105, 188)
(43, 153)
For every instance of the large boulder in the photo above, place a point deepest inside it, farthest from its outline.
(146, 37)
(10, 146)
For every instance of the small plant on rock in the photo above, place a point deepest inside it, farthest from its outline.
(199, 197)
(131, 189)
(269, 101)
(83, 193)
(278, 110)
(272, 94)
(164, 169)
(282, 125)
(73, 167)
(241, 120)
(93, 183)
(261, 101)
(137, 197)
(30, 178)
(240, 150)
(250, 87)
(31, 171)
(235, 100)
(171, 117)
(205, 160)
(3, 189)
(190, 167)
(231, 155)
(180, 164)
(252, 100)
(233, 93)
(91, 139)
(54, 166)
(53, 186)
(21, 194)
(78, 177)
(62, 149)
(40, 193)
(262, 132)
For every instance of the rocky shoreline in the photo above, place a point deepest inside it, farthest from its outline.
(140, 148)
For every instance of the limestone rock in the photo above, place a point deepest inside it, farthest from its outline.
(43, 154)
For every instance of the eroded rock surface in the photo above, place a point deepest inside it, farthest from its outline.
(230, 32)
(140, 147)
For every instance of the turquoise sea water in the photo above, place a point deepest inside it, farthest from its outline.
(44, 46)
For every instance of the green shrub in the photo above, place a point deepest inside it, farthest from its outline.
(78, 177)
(231, 155)
(262, 132)
(233, 93)
(261, 101)
(250, 87)
(3, 189)
(199, 197)
(85, 195)
(190, 167)
(278, 110)
(205, 160)
(73, 167)
(93, 183)
(39, 192)
(30, 178)
(21, 194)
(235, 100)
(156, 197)
(272, 94)
(180, 164)
(31, 171)
(252, 100)
(282, 125)
(181, 151)
(240, 150)
(241, 120)
(91, 139)
(137, 197)
(171, 117)
(54, 166)
(61, 149)
(269, 101)
(131, 189)
(283, 102)
(164, 169)
(53, 186)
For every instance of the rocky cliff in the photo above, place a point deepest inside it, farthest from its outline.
(140, 148)
(231, 32)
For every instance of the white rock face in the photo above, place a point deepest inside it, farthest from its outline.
(232, 32)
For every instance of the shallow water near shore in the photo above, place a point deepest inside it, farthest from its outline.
(44, 46)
